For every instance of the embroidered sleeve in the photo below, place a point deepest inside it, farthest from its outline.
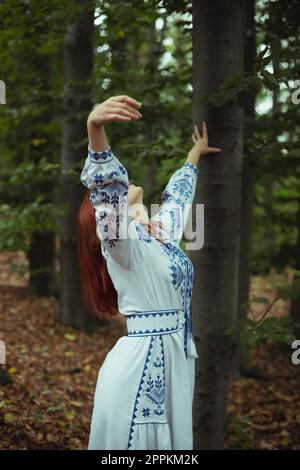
(177, 199)
(107, 179)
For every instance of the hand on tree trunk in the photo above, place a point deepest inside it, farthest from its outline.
(201, 146)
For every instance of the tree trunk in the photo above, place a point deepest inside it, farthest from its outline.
(41, 253)
(217, 55)
(155, 53)
(78, 64)
(295, 306)
(275, 43)
(242, 363)
(41, 256)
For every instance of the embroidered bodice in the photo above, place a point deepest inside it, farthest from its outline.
(146, 273)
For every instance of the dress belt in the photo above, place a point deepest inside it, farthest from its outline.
(161, 322)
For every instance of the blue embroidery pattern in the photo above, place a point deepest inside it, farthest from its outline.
(180, 184)
(182, 277)
(108, 193)
(177, 194)
(149, 404)
(184, 187)
(192, 167)
(143, 233)
(169, 322)
(104, 156)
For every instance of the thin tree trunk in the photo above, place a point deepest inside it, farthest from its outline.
(217, 55)
(295, 306)
(242, 362)
(41, 253)
(156, 49)
(275, 43)
(41, 256)
(78, 63)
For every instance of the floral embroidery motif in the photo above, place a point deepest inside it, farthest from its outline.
(155, 391)
(149, 404)
(110, 194)
(180, 186)
(98, 179)
(146, 412)
(183, 187)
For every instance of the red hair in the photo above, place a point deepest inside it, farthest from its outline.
(99, 294)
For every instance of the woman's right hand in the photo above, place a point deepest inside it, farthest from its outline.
(120, 108)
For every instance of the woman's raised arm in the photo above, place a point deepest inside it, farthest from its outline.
(116, 109)
(178, 195)
(107, 179)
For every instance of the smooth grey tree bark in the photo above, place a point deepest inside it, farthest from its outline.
(217, 55)
(77, 103)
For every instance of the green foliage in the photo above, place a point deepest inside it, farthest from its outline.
(31, 41)
(16, 224)
(277, 329)
(274, 147)
(245, 84)
(248, 333)
(155, 67)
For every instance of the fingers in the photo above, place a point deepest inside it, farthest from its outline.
(214, 150)
(118, 117)
(204, 139)
(127, 99)
(123, 105)
(125, 111)
(197, 132)
(204, 130)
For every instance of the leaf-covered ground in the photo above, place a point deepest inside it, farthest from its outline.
(47, 385)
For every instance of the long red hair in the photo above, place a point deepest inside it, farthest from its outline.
(99, 294)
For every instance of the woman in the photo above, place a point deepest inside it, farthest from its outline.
(144, 393)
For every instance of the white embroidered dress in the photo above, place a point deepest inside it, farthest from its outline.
(144, 393)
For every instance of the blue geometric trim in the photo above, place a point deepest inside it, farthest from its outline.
(101, 157)
(141, 324)
(153, 313)
(154, 332)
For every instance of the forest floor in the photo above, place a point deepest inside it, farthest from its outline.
(46, 393)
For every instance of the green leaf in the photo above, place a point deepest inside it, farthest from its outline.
(270, 79)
